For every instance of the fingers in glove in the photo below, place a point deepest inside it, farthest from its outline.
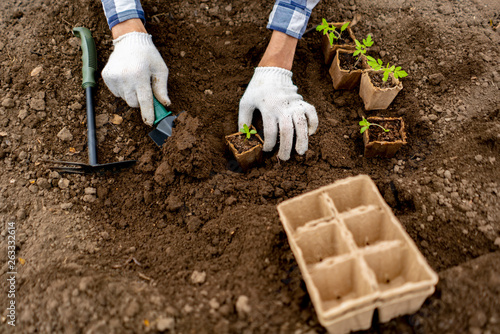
(145, 98)
(245, 113)
(112, 81)
(286, 137)
(160, 87)
(130, 97)
(300, 123)
(312, 117)
(270, 132)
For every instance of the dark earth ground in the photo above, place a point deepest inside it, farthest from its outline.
(180, 243)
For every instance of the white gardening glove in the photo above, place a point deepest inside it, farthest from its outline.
(134, 66)
(272, 91)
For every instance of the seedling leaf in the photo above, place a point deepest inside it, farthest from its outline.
(246, 130)
(365, 125)
(368, 42)
(344, 27)
(386, 75)
(364, 122)
(323, 26)
(400, 74)
(379, 65)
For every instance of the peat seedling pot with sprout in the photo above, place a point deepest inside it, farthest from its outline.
(346, 70)
(382, 136)
(379, 86)
(335, 36)
(246, 146)
(348, 65)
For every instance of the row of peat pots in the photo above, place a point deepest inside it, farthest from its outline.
(350, 67)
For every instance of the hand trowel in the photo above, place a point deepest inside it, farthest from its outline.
(164, 123)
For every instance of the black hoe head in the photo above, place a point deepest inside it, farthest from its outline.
(81, 168)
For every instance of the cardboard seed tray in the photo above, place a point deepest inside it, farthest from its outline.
(354, 255)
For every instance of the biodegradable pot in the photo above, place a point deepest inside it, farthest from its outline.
(354, 255)
(329, 50)
(376, 98)
(343, 78)
(374, 146)
(246, 153)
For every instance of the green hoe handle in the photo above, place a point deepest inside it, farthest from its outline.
(89, 56)
(160, 111)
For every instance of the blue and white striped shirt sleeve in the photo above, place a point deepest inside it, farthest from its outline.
(291, 17)
(117, 11)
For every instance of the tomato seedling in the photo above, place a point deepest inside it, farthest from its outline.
(361, 48)
(331, 31)
(365, 125)
(246, 130)
(379, 65)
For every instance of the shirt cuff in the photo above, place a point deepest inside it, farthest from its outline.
(124, 16)
(289, 18)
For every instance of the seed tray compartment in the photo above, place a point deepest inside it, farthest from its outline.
(323, 241)
(310, 209)
(354, 255)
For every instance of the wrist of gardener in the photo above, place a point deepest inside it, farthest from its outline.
(280, 51)
(132, 25)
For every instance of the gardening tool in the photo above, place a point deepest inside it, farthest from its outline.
(164, 122)
(89, 58)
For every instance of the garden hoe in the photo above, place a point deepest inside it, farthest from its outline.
(89, 58)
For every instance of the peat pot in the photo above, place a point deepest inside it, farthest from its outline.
(375, 93)
(346, 70)
(247, 152)
(384, 144)
(346, 43)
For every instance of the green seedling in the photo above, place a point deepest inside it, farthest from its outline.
(365, 125)
(246, 130)
(361, 48)
(377, 64)
(331, 31)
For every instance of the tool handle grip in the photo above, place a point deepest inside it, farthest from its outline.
(89, 56)
(160, 111)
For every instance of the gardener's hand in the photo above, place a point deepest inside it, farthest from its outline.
(135, 70)
(272, 91)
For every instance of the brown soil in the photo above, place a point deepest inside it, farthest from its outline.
(181, 243)
(242, 144)
(375, 133)
(377, 79)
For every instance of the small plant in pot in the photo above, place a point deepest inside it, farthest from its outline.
(246, 146)
(382, 136)
(348, 65)
(335, 36)
(380, 85)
